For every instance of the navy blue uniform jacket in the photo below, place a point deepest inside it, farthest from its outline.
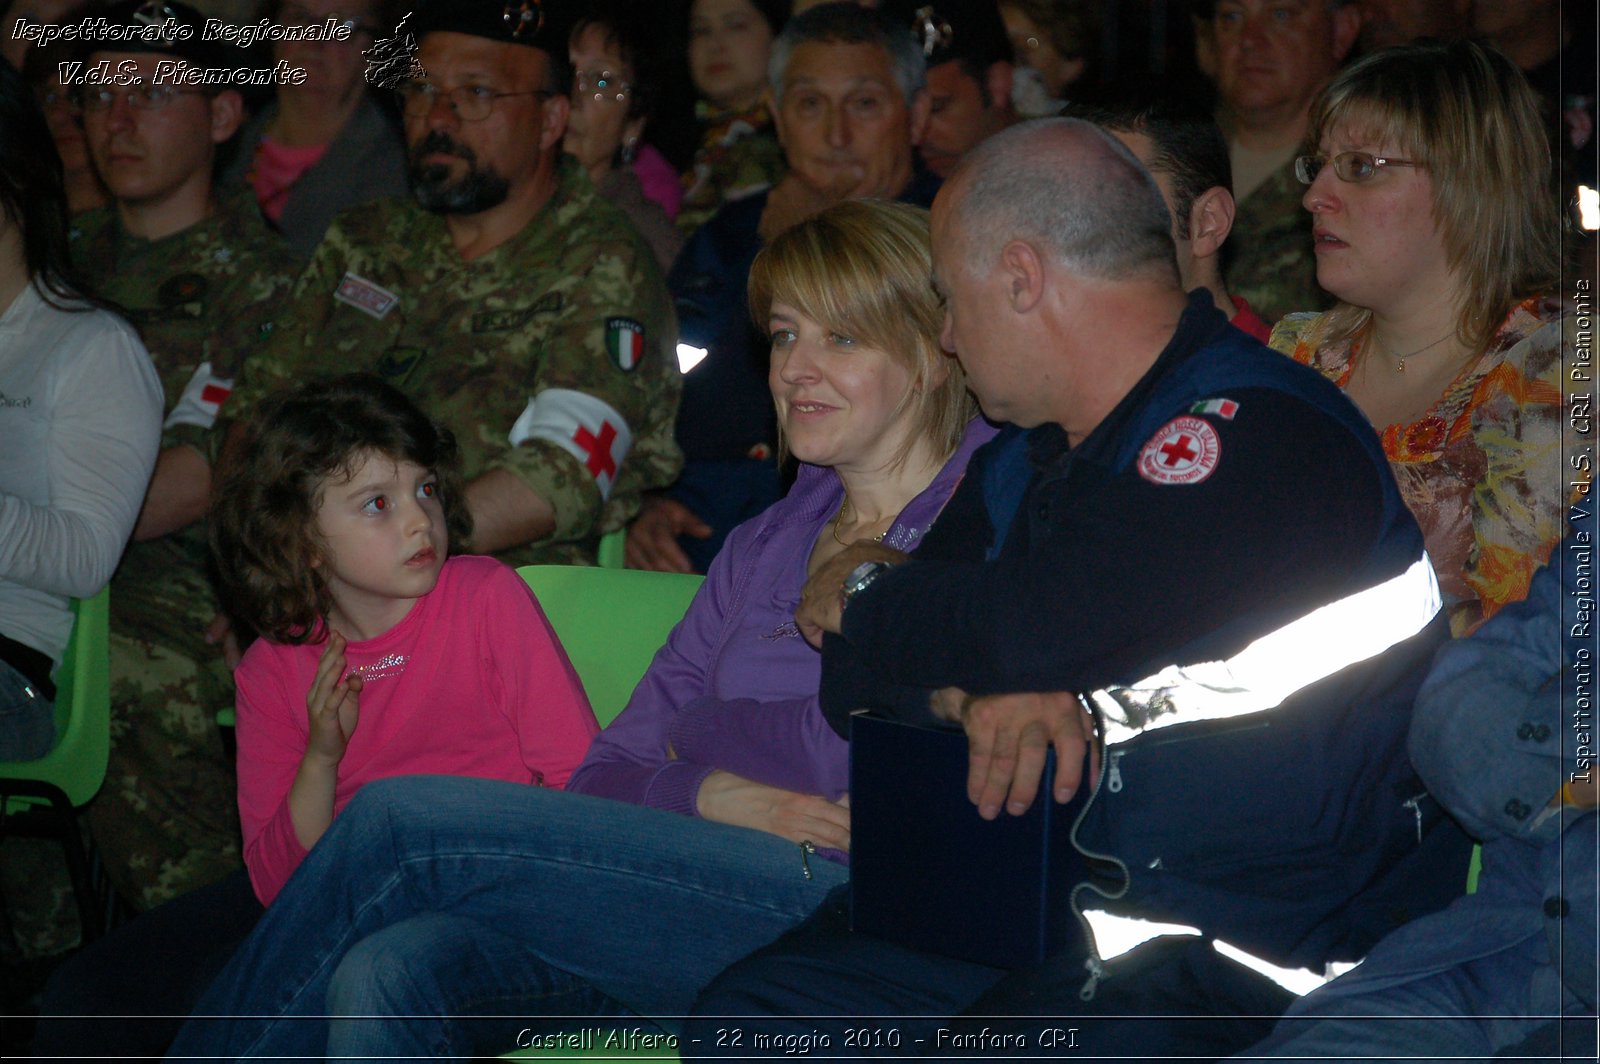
(1231, 493)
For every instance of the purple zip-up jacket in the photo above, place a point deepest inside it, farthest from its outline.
(735, 686)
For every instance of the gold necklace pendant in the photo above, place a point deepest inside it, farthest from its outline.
(1400, 362)
(833, 525)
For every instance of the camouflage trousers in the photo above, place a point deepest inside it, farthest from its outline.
(166, 821)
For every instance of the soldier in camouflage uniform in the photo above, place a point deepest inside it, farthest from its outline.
(200, 278)
(534, 322)
(1269, 62)
(1268, 258)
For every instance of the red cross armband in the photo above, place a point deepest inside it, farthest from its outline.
(201, 400)
(585, 427)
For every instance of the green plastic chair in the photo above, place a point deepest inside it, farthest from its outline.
(40, 797)
(611, 622)
(609, 553)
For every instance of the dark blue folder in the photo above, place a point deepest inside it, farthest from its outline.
(927, 871)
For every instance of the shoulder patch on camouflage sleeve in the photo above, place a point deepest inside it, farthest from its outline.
(625, 342)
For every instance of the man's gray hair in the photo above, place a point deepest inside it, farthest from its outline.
(1070, 189)
(846, 22)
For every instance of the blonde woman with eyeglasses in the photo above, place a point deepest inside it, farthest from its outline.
(1431, 227)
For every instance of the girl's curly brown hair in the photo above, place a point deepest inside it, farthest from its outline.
(270, 481)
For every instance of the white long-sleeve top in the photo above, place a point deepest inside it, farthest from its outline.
(80, 424)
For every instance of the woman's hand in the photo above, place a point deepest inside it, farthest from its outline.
(333, 705)
(730, 799)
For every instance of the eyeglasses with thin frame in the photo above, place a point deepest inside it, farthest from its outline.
(603, 85)
(471, 103)
(1352, 166)
(92, 100)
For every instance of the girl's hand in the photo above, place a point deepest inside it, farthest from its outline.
(731, 799)
(333, 705)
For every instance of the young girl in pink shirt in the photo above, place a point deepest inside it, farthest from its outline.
(380, 655)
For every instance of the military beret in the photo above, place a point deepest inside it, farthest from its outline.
(970, 30)
(513, 22)
(170, 29)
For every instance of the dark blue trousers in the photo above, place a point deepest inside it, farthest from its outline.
(1173, 997)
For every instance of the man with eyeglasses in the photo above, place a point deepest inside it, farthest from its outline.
(505, 295)
(199, 274)
(1272, 57)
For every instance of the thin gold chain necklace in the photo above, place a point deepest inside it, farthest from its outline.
(1400, 363)
(844, 508)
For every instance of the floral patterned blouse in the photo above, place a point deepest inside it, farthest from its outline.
(739, 156)
(1483, 470)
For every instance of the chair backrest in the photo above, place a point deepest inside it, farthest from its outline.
(611, 622)
(77, 763)
(612, 546)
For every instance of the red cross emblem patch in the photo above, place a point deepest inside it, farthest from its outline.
(1183, 451)
(601, 462)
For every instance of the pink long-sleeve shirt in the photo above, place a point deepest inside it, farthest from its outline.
(472, 683)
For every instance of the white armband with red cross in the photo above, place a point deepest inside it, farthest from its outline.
(201, 400)
(580, 424)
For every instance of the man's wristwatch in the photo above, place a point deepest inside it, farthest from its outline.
(859, 579)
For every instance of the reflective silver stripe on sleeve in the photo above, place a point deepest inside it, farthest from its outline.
(1116, 935)
(1278, 664)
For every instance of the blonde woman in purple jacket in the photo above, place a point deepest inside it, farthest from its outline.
(713, 813)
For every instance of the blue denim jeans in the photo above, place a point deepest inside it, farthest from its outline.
(27, 719)
(441, 899)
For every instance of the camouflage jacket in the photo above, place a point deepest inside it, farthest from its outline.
(552, 356)
(203, 300)
(1268, 256)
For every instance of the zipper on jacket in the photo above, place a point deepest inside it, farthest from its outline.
(1414, 804)
(1094, 963)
